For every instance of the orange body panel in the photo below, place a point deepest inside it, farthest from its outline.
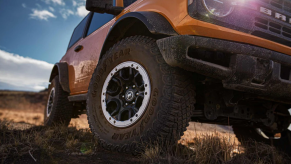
(82, 64)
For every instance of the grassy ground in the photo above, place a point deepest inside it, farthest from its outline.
(38, 144)
(23, 139)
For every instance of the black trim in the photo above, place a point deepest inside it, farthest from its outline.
(250, 69)
(81, 97)
(88, 25)
(61, 70)
(84, 30)
(155, 22)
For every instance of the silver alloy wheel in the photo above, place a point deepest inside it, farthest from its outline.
(50, 102)
(125, 94)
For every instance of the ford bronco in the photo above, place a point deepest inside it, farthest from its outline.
(143, 69)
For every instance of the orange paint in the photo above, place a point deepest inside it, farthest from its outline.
(82, 64)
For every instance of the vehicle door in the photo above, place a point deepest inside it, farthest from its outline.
(89, 48)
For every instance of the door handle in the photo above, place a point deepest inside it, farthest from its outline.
(78, 48)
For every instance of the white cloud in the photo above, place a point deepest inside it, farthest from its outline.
(74, 3)
(51, 9)
(81, 11)
(56, 2)
(24, 5)
(23, 72)
(41, 14)
(66, 13)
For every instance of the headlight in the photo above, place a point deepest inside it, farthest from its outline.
(219, 8)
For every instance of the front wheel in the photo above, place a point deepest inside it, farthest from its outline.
(134, 97)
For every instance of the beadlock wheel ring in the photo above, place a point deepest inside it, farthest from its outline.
(125, 94)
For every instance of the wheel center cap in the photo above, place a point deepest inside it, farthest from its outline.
(129, 95)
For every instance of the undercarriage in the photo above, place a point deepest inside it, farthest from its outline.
(217, 105)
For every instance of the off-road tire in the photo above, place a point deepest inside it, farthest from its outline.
(61, 112)
(171, 101)
(244, 134)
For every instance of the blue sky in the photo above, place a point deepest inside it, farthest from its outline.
(34, 34)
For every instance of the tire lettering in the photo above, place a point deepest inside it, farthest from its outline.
(127, 135)
(151, 111)
(127, 51)
(121, 136)
(116, 55)
(156, 92)
(154, 102)
(115, 136)
(134, 133)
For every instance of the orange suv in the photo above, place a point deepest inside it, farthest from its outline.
(143, 69)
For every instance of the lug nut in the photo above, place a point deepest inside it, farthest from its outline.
(137, 94)
(126, 87)
(126, 104)
(133, 86)
(133, 102)
(122, 96)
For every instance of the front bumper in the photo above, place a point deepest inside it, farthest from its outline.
(240, 66)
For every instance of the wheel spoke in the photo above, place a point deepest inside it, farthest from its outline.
(130, 73)
(135, 110)
(136, 74)
(110, 92)
(129, 114)
(119, 115)
(114, 86)
(141, 94)
(126, 75)
(114, 112)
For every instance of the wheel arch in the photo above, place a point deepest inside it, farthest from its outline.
(61, 70)
(138, 23)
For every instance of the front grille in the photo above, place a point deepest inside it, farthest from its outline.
(281, 4)
(249, 19)
(273, 27)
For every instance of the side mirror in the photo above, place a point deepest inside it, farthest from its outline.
(103, 6)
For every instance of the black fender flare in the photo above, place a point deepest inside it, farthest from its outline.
(61, 70)
(155, 23)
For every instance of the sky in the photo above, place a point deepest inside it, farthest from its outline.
(34, 34)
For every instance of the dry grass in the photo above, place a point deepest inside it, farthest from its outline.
(48, 143)
(21, 116)
(16, 144)
(214, 149)
(36, 118)
(28, 107)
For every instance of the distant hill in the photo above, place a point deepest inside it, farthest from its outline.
(10, 87)
(21, 100)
